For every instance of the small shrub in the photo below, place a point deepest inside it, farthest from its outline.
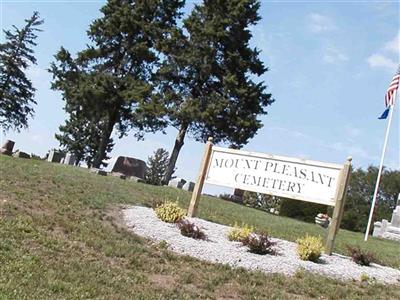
(360, 256)
(259, 244)
(238, 233)
(366, 279)
(190, 229)
(309, 248)
(170, 212)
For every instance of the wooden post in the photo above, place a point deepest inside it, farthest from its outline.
(340, 199)
(194, 202)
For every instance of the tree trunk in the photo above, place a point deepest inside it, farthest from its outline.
(179, 141)
(101, 152)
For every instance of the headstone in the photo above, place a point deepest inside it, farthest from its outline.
(389, 230)
(129, 166)
(21, 154)
(396, 217)
(55, 156)
(136, 179)
(188, 186)
(69, 159)
(177, 182)
(237, 195)
(98, 171)
(7, 147)
(119, 175)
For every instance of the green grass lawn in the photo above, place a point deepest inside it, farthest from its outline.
(60, 238)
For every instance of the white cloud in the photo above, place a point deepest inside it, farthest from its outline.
(388, 56)
(381, 61)
(393, 45)
(320, 23)
(334, 56)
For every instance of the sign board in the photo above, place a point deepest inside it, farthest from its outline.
(287, 177)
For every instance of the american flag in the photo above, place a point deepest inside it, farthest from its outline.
(389, 97)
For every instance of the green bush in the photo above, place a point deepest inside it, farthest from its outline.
(309, 248)
(170, 212)
(240, 233)
(300, 210)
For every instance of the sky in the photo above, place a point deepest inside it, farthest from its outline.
(330, 63)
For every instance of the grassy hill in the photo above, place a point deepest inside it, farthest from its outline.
(61, 238)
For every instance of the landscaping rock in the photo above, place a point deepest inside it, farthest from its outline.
(217, 248)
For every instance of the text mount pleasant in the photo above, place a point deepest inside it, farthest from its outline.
(275, 175)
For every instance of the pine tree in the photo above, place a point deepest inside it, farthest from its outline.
(16, 90)
(109, 84)
(207, 81)
(156, 166)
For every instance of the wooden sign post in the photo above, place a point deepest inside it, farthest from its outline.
(339, 206)
(288, 177)
(194, 202)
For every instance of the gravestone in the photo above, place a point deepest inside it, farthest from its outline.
(98, 171)
(129, 166)
(55, 156)
(188, 186)
(136, 179)
(389, 230)
(237, 196)
(69, 159)
(21, 154)
(177, 183)
(7, 147)
(119, 175)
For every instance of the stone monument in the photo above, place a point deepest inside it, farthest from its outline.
(389, 230)
(128, 166)
(69, 159)
(55, 156)
(21, 154)
(177, 182)
(7, 147)
(188, 186)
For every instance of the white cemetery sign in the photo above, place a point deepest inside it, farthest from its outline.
(275, 175)
(294, 178)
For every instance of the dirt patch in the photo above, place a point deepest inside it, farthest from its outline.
(113, 216)
(162, 281)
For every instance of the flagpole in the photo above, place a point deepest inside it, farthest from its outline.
(371, 213)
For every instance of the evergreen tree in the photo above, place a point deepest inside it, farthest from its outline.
(156, 167)
(108, 86)
(206, 80)
(16, 90)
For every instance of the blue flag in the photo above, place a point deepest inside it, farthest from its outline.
(385, 114)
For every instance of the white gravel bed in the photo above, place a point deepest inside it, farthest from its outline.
(218, 249)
